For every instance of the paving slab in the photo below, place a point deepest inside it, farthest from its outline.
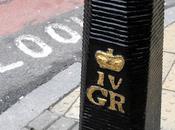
(169, 16)
(76, 127)
(24, 129)
(63, 124)
(168, 110)
(43, 121)
(170, 80)
(74, 111)
(66, 103)
(168, 60)
(169, 39)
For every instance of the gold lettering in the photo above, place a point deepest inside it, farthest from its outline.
(100, 78)
(113, 102)
(101, 101)
(112, 81)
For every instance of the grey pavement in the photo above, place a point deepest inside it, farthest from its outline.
(169, 16)
(169, 3)
(41, 99)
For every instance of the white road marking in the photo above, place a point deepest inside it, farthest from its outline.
(75, 37)
(46, 50)
(77, 20)
(11, 66)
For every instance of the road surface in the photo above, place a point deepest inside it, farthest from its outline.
(39, 38)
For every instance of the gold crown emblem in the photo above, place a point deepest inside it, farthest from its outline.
(107, 60)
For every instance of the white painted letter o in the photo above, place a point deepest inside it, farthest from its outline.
(46, 50)
(75, 37)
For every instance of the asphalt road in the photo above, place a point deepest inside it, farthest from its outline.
(37, 43)
(36, 47)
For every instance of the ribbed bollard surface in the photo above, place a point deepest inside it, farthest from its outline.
(122, 65)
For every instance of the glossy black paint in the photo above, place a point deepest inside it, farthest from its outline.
(134, 29)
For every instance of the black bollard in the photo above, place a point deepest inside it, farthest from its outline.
(122, 65)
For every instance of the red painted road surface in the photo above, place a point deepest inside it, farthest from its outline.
(14, 15)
